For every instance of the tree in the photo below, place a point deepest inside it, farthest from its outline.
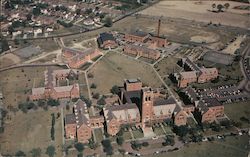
(115, 90)
(20, 153)
(36, 152)
(51, 151)
(213, 6)
(220, 7)
(181, 130)
(108, 22)
(96, 96)
(119, 140)
(107, 147)
(36, 11)
(52, 102)
(226, 5)
(93, 86)
(4, 46)
(79, 147)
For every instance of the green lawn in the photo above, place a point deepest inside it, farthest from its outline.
(127, 135)
(137, 134)
(98, 135)
(237, 110)
(158, 131)
(231, 147)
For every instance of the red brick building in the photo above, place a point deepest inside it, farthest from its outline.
(142, 51)
(77, 58)
(52, 89)
(197, 74)
(79, 125)
(136, 36)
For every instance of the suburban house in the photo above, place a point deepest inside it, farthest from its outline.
(79, 125)
(106, 41)
(196, 74)
(141, 107)
(52, 88)
(77, 58)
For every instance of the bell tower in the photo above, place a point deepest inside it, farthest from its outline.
(147, 105)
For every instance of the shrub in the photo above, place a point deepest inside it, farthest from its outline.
(79, 147)
(51, 151)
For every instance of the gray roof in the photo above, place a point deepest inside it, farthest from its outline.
(139, 33)
(162, 101)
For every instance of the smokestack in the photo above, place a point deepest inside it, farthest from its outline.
(159, 26)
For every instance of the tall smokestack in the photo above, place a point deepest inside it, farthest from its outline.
(159, 26)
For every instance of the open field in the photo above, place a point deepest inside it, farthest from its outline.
(231, 147)
(8, 60)
(17, 83)
(237, 110)
(198, 11)
(113, 68)
(32, 130)
(232, 47)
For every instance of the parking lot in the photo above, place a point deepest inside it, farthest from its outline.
(226, 93)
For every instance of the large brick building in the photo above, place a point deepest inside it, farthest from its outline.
(52, 90)
(142, 51)
(77, 58)
(209, 108)
(141, 106)
(196, 74)
(79, 125)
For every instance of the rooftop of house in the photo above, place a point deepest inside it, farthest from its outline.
(191, 64)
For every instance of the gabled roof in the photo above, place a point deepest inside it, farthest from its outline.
(70, 119)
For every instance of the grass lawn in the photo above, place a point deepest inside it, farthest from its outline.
(116, 68)
(167, 66)
(32, 130)
(127, 135)
(168, 129)
(158, 131)
(98, 135)
(17, 83)
(83, 85)
(137, 134)
(237, 110)
(231, 147)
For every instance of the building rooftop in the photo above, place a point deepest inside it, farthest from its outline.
(70, 119)
(139, 33)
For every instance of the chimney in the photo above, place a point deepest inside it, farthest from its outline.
(159, 26)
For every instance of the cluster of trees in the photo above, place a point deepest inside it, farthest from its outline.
(108, 22)
(119, 138)
(65, 24)
(92, 144)
(25, 107)
(220, 7)
(137, 145)
(115, 90)
(169, 141)
(4, 46)
(52, 131)
(107, 147)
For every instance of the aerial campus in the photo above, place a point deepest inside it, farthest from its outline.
(124, 78)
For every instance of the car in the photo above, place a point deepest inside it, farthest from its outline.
(204, 139)
(240, 133)
(157, 152)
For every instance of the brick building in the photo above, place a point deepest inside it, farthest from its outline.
(141, 106)
(142, 51)
(52, 89)
(209, 108)
(106, 41)
(77, 58)
(196, 74)
(79, 125)
(136, 36)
